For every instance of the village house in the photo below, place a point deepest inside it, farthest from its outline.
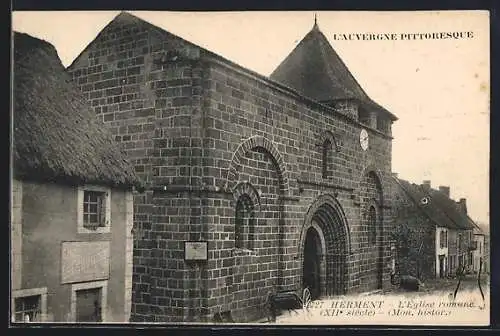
(71, 199)
(486, 251)
(432, 233)
(478, 255)
(254, 184)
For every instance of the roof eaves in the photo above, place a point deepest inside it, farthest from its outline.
(410, 196)
(461, 220)
(365, 98)
(46, 99)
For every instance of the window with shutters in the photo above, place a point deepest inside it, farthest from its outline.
(94, 205)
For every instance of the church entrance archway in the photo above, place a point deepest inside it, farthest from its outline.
(325, 246)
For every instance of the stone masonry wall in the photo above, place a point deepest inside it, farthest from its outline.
(240, 108)
(370, 252)
(152, 107)
(255, 272)
(196, 129)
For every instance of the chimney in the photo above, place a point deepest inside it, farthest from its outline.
(426, 184)
(445, 190)
(462, 204)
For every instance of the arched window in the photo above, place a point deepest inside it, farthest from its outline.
(244, 223)
(327, 148)
(372, 225)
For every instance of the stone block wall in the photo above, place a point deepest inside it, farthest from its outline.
(152, 106)
(202, 132)
(241, 107)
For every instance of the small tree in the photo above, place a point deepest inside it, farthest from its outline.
(408, 249)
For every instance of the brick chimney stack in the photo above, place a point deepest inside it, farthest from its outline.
(445, 190)
(426, 184)
(462, 203)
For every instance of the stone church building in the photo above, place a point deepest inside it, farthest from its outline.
(254, 183)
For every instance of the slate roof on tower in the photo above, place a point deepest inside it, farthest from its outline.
(56, 136)
(314, 69)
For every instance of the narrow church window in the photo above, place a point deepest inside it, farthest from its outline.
(239, 224)
(327, 146)
(372, 225)
(244, 223)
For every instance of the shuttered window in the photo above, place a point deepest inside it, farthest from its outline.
(94, 209)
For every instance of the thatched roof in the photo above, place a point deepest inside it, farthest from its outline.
(56, 136)
(314, 69)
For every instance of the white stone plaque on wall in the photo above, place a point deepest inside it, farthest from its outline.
(85, 261)
(195, 250)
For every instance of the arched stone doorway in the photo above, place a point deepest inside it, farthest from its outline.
(312, 262)
(325, 246)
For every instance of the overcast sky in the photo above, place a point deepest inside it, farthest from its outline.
(439, 89)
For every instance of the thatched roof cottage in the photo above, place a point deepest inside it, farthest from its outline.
(71, 206)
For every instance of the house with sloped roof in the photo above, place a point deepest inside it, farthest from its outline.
(254, 184)
(480, 255)
(433, 234)
(486, 251)
(71, 199)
